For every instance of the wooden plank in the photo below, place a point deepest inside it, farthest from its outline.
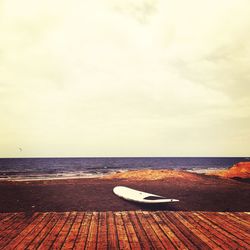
(237, 223)
(112, 232)
(168, 232)
(223, 230)
(145, 243)
(15, 228)
(218, 231)
(241, 234)
(4, 216)
(6, 222)
(241, 219)
(243, 215)
(132, 237)
(18, 242)
(205, 229)
(30, 237)
(52, 235)
(102, 235)
(82, 236)
(179, 233)
(93, 232)
(157, 244)
(44, 231)
(70, 240)
(9, 223)
(186, 231)
(59, 241)
(163, 238)
(125, 230)
(121, 232)
(206, 242)
(220, 238)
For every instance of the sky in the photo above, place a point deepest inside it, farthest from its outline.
(124, 78)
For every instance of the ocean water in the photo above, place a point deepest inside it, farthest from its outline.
(56, 168)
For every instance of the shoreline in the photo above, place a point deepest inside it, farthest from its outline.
(87, 175)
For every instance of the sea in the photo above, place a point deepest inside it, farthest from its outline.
(22, 169)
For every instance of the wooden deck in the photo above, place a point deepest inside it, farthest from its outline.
(125, 230)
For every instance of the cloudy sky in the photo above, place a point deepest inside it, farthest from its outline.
(124, 78)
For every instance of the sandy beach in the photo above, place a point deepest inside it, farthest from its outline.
(196, 192)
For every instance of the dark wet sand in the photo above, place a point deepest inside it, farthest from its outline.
(206, 194)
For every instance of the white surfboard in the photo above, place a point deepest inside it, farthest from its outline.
(139, 196)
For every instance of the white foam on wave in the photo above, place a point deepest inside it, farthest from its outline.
(57, 176)
(204, 170)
